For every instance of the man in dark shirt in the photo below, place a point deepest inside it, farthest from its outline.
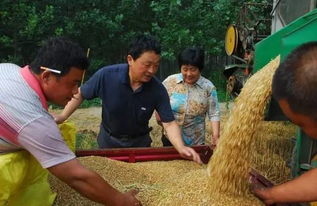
(130, 93)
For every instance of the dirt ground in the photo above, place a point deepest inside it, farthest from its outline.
(87, 121)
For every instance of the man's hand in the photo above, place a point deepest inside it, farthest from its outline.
(300, 189)
(263, 194)
(59, 118)
(91, 185)
(189, 153)
(174, 135)
(130, 199)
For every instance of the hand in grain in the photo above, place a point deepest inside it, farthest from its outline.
(263, 194)
(189, 153)
(129, 199)
(259, 191)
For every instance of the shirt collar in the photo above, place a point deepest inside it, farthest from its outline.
(200, 81)
(34, 84)
(125, 75)
(125, 79)
(179, 79)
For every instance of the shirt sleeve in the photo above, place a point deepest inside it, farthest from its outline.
(93, 87)
(164, 107)
(213, 110)
(166, 83)
(43, 140)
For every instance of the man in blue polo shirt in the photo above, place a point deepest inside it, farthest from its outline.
(130, 93)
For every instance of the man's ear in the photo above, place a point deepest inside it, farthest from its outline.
(130, 60)
(45, 76)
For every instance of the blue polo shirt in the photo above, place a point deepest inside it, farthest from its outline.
(124, 111)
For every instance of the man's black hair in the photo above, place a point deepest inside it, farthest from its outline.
(143, 43)
(61, 54)
(192, 56)
(296, 80)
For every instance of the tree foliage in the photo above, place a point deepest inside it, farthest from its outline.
(106, 27)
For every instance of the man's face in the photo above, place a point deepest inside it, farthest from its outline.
(307, 124)
(190, 74)
(143, 68)
(60, 90)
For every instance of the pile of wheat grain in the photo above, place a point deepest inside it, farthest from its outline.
(150, 178)
(160, 183)
(230, 164)
(272, 153)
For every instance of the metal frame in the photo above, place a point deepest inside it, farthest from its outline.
(133, 155)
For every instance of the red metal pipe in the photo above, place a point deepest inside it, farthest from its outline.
(146, 154)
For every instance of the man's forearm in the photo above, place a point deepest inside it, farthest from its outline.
(301, 189)
(95, 188)
(174, 134)
(86, 182)
(72, 105)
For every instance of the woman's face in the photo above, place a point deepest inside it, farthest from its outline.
(190, 74)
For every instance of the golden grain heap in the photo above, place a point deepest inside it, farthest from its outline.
(273, 150)
(230, 164)
(223, 182)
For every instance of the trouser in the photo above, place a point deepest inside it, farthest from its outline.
(105, 140)
(23, 181)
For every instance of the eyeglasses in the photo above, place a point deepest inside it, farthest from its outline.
(51, 70)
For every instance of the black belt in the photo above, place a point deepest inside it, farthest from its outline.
(126, 136)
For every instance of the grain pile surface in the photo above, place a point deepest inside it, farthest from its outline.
(150, 178)
(230, 164)
(160, 183)
(273, 148)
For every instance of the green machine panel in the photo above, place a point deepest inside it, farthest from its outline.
(302, 30)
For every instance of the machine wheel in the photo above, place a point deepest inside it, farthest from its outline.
(231, 40)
